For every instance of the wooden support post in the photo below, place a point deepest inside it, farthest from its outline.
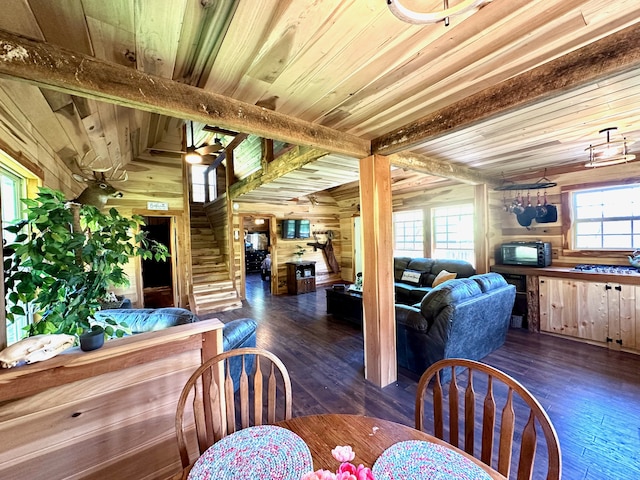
(231, 175)
(481, 227)
(379, 319)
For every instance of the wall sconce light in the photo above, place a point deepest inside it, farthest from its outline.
(610, 152)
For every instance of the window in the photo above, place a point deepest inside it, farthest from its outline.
(408, 234)
(203, 178)
(13, 189)
(606, 218)
(453, 232)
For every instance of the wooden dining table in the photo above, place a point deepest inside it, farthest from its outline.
(367, 436)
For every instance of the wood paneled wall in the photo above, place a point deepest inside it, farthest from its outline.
(35, 137)
(504, 226)
(324, 216)
(155, 179)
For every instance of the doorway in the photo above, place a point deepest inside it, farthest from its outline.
(258, 256)
(158, 277)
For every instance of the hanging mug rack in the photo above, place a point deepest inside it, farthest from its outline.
(544, 182)
(521, 206)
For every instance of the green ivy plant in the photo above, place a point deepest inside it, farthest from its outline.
(63, 264)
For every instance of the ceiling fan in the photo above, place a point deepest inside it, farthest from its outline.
(195, 155)
(205, 152)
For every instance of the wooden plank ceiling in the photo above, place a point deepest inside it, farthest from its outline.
(347, 65)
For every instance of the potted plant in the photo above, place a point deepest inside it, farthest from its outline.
(63, 265)
(299, 252)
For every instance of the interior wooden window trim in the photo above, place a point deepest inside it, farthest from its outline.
(566, 212)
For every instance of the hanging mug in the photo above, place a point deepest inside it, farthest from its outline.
(518, 208)
(541, 209)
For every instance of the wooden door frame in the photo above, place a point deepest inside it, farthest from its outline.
(272, 250)
(176, 219)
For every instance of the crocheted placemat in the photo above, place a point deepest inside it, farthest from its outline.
(415, 459)
(264, 451)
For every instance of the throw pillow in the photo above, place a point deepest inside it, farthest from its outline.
(412, 277)
(442, 277)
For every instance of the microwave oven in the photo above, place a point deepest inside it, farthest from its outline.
(529, 254)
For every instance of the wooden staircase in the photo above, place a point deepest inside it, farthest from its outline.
(213, 291)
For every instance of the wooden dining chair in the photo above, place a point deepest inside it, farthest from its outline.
(520, 417)
(228, 392)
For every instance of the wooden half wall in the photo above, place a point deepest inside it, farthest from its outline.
(109, 413)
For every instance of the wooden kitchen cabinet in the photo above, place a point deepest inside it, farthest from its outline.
(558, 306)
(602, 312)
(624, 317)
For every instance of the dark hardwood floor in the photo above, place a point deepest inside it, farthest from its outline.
(591, 394)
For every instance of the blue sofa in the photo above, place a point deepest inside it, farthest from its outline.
(236, 333)
(460, 318)
(413, 277)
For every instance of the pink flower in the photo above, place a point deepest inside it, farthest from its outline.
(345, 476)
(319, 475)
(348, 471)
(343, 454)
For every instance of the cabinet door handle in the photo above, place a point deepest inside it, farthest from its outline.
(607, 287)
(619, 288)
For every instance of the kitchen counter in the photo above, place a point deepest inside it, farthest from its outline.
(568, 272)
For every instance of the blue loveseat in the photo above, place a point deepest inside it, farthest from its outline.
(460, 318)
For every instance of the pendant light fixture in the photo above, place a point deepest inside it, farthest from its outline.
(411, 16)
(192, 157)
(610, 152)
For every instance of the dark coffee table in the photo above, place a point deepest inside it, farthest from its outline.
(345, 305)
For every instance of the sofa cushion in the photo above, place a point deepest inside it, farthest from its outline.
(400, 264)
(442, 277)
(421, 264)
(446, 294)
(239, 333)
(489, 281)
(142, 320)
(463, 268)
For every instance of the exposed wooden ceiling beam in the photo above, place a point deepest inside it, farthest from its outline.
(431, 166)
(614, 54)
(49, 66)
(289, 162)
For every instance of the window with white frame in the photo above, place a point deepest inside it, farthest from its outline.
(13, 190)
(606, 218)
(452, 232)
(408, 234)
(203, 179)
